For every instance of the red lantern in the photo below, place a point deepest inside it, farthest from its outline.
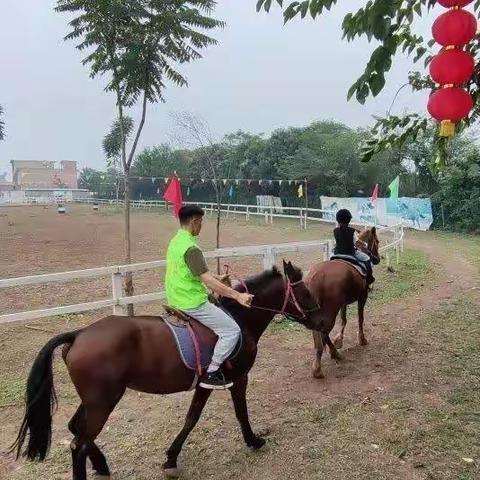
(449, 106)
(452, 66)
(455, 27)
(454, 3)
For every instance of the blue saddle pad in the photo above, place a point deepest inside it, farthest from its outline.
(186, 348)
(351, 259)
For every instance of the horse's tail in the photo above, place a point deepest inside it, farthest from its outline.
(40, 402)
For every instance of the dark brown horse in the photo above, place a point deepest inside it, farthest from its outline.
(336, 284)
(116, 353)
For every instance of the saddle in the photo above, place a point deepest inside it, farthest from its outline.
(352, 262)
(195, 342)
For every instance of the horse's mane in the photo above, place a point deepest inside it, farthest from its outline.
(257, 282)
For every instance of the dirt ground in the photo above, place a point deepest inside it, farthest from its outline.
(404, 407)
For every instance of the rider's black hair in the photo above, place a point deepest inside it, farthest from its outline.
(189, 211)
(344, 216)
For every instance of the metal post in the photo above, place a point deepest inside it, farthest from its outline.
(301, 218)
(117, 292)
(266, 217)
(248, 214)
(271, 215)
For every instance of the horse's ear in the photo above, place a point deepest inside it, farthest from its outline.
(374, 230)
(287, 268)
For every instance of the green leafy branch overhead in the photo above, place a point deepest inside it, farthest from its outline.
(390, 24)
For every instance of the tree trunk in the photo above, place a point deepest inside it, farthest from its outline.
(127, 242)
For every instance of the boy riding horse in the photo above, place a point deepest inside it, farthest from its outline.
(345, 243)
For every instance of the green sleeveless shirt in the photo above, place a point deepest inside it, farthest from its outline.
(184, 290)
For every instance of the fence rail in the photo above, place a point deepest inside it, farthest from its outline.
(118, 300)
(302, 214)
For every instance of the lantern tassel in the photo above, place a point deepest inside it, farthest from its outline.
(447, 128)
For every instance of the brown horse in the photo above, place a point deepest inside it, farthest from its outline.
(116, 353)
(336, 284)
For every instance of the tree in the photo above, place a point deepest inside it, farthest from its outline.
(161, 161)
(112, 147)
(391, 24)
(2, 125)
(103, 184)
(138, 44)
(193, 131)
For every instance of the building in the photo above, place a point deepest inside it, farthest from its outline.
(5, 185)
(42, 174)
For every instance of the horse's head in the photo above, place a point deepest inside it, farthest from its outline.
(299, 304)
(369, 244)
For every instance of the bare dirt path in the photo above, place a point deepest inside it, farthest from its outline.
(368, 419)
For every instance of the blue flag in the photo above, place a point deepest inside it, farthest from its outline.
(230, 192)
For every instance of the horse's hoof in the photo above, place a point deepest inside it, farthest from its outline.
(363, 341)
(99, 476)
(256, 443)
(337, 357)
(338, 342)
(318, 374)
(171, 472)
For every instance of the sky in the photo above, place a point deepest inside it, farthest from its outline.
(262, 75)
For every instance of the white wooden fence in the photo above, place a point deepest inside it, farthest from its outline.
(118, 300)
(302, 214)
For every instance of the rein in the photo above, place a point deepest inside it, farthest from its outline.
(289, 296)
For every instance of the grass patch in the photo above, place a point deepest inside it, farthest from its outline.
(12, 389)
(429, 421)
(469, 245)
(409, 276)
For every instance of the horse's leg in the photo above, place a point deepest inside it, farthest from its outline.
(361, 307)
(334, 355)
(338, 340)
(317, 363)
(239, 397)
(99, 462)
(199, 400)
(95, 417)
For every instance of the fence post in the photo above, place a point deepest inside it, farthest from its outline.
(326, 252)
(301, 218)
(248, 214)
(268, 258)
(117, 292)
(397, 253)
(266, 217)
(271, 215)
(387, 255)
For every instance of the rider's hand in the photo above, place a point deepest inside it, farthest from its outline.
(244, 299)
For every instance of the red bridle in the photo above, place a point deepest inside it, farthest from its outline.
(289, 296)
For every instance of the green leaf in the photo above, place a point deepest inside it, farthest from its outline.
(376, 83)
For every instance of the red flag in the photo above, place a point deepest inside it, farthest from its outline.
(374, 197)
(173, 194)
